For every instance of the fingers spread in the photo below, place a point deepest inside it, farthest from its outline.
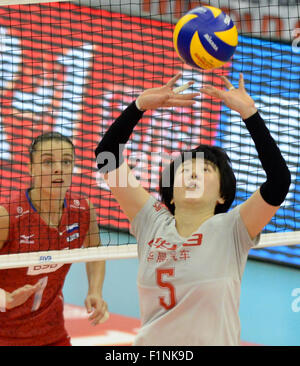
(212, 91)
(181, 88)
(179, 103)
(185, 96)
(172, 82)
(241, 81)
(226, 82)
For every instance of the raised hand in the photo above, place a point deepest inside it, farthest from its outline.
(236, 99)
(166, 96)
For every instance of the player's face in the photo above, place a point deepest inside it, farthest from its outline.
(52, 167)
(197, 180)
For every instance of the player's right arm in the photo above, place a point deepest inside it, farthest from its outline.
(18, 297)
(127, 190)
(4, 226)
(131, 197)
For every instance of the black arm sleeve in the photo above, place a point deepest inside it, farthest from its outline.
(276, 187)
(109, 152)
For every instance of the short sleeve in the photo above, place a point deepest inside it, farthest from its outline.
(144, 220)
(149, 221)
(241, 236)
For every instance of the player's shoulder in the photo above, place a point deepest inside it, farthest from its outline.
(153, 211)
(227, 218)
(157, 208)
(16, 198)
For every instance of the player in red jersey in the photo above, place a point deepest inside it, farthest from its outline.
(46, 217)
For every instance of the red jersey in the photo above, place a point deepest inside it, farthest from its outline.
(39, 321)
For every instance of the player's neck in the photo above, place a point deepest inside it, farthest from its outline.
(44, 203)
(189, 221)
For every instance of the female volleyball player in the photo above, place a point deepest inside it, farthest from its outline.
(47, 217)
(192, 255)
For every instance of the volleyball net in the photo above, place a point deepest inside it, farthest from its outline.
(72, 67)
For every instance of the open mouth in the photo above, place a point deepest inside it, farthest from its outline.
(58, 181)
(192, 185)
(194, 189)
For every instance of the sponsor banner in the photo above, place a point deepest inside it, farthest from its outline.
(73, 70)
(275, 19)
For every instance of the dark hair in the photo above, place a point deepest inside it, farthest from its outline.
(213, 154)
(48, 136)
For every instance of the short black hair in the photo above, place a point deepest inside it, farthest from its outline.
(48, 136)
(213, 154)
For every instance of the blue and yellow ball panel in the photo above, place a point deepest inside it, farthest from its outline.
(205, 37)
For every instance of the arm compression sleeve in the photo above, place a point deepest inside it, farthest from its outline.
(276, 187)
(109, 152)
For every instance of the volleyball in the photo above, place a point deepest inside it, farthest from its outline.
(205, 38)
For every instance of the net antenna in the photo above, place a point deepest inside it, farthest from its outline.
(72, 67)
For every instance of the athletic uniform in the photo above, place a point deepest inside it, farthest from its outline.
(189, 288)
(39, 321)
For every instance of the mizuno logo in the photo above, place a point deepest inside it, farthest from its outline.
(210, 41)
(26, 239)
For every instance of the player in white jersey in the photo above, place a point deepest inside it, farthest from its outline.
(192, 253)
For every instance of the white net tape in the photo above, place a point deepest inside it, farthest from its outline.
(116, 252)
(19, 2)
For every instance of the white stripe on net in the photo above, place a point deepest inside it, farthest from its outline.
(116, 252)
(19, 2)
(68, 256)
(279, 239)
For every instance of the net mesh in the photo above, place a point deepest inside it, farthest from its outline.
(72, 67)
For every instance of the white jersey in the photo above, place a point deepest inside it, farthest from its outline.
(189, 288)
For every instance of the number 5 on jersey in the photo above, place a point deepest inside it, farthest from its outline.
(171, 300)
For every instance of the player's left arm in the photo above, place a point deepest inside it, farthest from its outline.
(95, 305)
(257, 211)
